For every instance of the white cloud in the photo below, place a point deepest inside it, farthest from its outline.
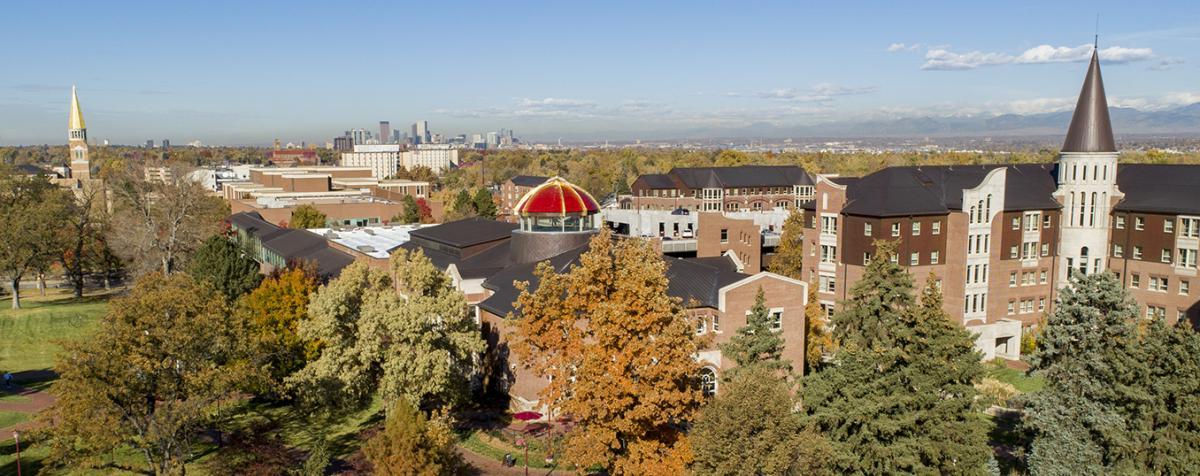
(894, 47)
(946, 60)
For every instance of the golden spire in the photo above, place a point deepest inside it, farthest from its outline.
(76, 121)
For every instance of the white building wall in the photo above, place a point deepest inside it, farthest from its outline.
(1087, 185)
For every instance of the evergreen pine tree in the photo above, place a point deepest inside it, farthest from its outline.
(756, 343)
(909, 406)
(463, 206)
(484, 205)
(225, 265)
(1122, 395)
(884, 292)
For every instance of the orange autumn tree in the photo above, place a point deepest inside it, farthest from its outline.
(619, 353)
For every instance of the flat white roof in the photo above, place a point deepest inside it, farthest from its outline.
(373, 241)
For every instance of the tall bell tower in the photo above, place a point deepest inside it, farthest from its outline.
(81, 166)
(1087, 178)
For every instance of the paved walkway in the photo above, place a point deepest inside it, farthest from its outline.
(34, 402)
(487, 466)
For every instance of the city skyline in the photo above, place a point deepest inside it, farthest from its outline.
(619, 71)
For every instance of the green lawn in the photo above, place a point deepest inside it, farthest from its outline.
(1016, 378)
(27, 335)
(8, 419)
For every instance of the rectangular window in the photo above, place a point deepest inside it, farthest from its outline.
(1041, 304)
(1046, 221)
(914, 259)
(1012, 252)
(895, 229)
(1185, 287)
(936, 227)
(1045, 249)
(828, 254)
(829, 225)
(1168, 225)
(1031, 221)
(828, 284)
(1118, 251)
(724, 235)
(1135, 280)
(1042, 277)
(701, 328)
(1166, 255)
(1016, 223)
(716, 323)
(1137, 252)
(1011, 307)
(1190, 227)
(867, 229)
(776, 320)
(1119, 223)
(1187, 257)
(916, 228)
(1139, 223)
(866, 258)
(933, 257)
(1012, 279)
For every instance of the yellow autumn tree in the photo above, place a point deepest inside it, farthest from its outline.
(788, 259)
(619, 354)
(818, 341)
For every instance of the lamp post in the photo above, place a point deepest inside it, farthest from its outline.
(17, 442)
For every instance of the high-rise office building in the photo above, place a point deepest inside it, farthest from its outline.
(385, 131)
(166, 144)
(420, 132)
(359, 136)
(149, 143)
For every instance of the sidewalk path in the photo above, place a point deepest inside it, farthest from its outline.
(34, 402)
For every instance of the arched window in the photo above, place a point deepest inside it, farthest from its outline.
(708, 382)
(987, 211)
(1095, 172)
(973, 214)
(1083, 260)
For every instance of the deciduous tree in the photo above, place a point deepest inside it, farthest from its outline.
(788, 259)
(159, 223)
(224, 264)
(412, 445)
(274, 311)
(619, 356)
(403, 335)
(84, 219)
(307, 216)
(818, 341)
(750, 429)
(33, 211)
(164, 362)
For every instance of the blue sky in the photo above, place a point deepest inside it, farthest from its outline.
(247, 72)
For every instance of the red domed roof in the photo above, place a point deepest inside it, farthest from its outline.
(559, 197)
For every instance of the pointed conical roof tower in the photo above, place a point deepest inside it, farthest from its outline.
(76, 120)
(1091, 130)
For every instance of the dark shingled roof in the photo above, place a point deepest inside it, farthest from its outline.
(1157, 188)
(255, 226)
(1091, 129)
(935, 190)
(466, 232)
(742, 176)
(529, 180)
(657, 181)
(330, 262)
(294, 244)
(697, 283)
(30, 169)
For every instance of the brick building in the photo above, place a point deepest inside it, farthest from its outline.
(348, 196)
(555, 222)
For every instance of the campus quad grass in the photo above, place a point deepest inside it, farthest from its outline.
(28, 335)
(1024, 383)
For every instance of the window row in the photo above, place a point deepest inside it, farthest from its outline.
(1031, 220)
(1160, 284)
(1025, 306)
(1189, 227)
(1029, 250)
(1029, 278)
(975, 303)
(935, 228)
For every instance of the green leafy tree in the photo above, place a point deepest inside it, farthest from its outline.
(484, 204)
(225, 265)
(818, 341)
(307, 216)
(166, 360)
(1121, 394)
(756, 343)
(884, 292)
(411, 213)
(33, 211)
(84, 221)
(405, 334)
(412, 445)
(909, 407)
(788, 259)
(750, 429)
(464, 206)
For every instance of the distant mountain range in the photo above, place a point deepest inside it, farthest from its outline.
(1184, 120)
